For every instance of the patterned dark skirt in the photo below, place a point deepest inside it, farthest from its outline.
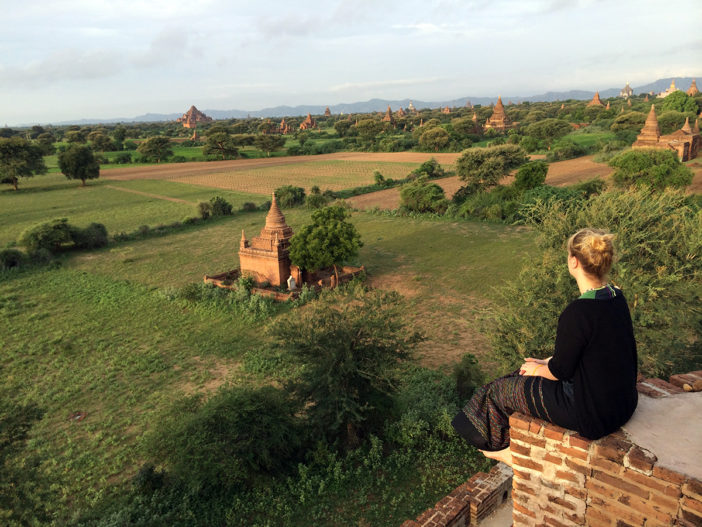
(484, 421)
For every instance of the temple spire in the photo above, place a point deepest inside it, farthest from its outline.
(686, 127)
(275, 218)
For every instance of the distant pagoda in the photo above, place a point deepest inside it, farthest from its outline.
(308, 123)
(327, 112)
(498, 120)
(596, 101)
(192, 117)
(684, 142)
(671, 89)
(692, 91)
(626, 91)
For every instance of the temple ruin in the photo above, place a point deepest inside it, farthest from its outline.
(327, 112)
(626, 91)
(498, 120)
(192, 117)
(596, 101)
(388, 118)
(671, 89)
(692, 90)
(684, 142)
(308, 123)
(446, 110)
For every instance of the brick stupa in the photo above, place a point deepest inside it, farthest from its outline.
(308, 123)
(327, 112)
(192, 117)
(596, 101)
(498, 120)
(266, 257)
(692, 91)
(684, 142)
(388, 118)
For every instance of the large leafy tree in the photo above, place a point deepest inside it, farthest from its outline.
(157, 148)
(269, 143)
(350, 345)
(679, 101)
(434, 139)
(421, 195)
(650, 167)
(78, 162)
(19, 158)
(484, 167)
(221, 144)
(328, 241)
(549, 129)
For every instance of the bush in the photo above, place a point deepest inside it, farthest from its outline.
(290, 196)
(178, 159)
(204, 209)
(249, 207)
(531, 175)
(12, 259)
(122, 158)
(658, 239)
(93, 236)
(650, 167)
(422, 196)
(229, 439)
(432, 169)
(316, 201)
(51, 236)
(220, 207)
(565, 149)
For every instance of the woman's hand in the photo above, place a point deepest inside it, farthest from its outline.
(536, 368)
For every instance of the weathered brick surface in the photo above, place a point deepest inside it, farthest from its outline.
(562, 478)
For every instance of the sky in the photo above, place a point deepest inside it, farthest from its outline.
(73, 59)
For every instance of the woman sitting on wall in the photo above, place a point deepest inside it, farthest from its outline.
(589, 384)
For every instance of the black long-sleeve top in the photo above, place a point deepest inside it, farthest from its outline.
(596, 351)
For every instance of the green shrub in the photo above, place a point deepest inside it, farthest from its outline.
(228, 440)
(290, 196)
(531, 175)
(122, 158)
(93, 236)
(468, 376)
(220, 207)
(51, 236)
(204, 209)
(316, 201)
(650, 167)
(249, 207)
(565, 149)
(12, 259)
(422, 196)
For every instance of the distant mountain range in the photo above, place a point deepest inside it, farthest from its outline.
(380, 105)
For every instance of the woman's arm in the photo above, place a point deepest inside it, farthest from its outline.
(537, 368)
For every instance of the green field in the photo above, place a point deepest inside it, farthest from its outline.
(100, 335)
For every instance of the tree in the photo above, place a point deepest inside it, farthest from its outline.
(434, 139)
(651, 167)
(100, 141)
(269, 143)
(463, 125)
(368, 130)
(342, 127)
(119, 134)
(19, 158)
(74, 136)
(668, 122)
(156, 148)
(421, 195)
(290, 195)
(78, 162)
(531, 175)
(222, 144)
(679, 101)
(328, 241)
(46, 141)
(631, 121)
(484, 167)
(350, 346)
(549, 129)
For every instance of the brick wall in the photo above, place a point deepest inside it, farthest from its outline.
(563, 479)
(469, 503)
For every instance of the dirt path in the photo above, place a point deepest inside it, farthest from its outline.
(156, 196)
(175, 170)
(559, 173)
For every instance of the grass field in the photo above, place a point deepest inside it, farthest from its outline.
(98, 335)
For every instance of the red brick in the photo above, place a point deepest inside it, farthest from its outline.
(516, 485)
(646, 507)
(607, 465)
(668, 475)
(554, 522)
(619, 483)
(601, 489)
(410, 523)
(690, 516)
(574, 452)
(518, 520)
(641, 459)
(517, 448)
(652, 483)
(576, 492)
(578, 441)
(520, 474)
(562, 502)
(693, 488)
(554, 432)
(553, 459)
(526, 438)
(619, 511)
(527, 463)
(535, 427)
(664, 503)
(519, 421)
(597, 518)
(523, 510)
(691, 504)
(577, 519)
(578, 467)
(683, 378)
(612, 448)
(570, 476)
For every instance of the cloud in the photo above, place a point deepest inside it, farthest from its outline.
(167, 47)
(62, 65)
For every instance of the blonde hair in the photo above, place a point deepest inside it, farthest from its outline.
(594, 250)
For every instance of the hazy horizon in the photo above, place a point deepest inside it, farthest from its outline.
(73, 59)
